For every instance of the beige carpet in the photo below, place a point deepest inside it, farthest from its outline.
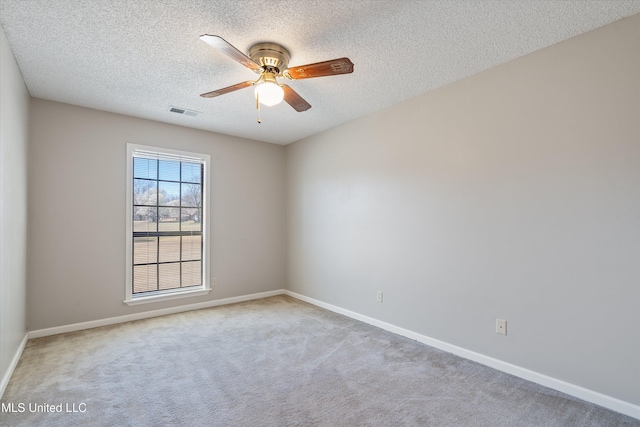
(271, 362)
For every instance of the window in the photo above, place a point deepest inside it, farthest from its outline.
(167, 211)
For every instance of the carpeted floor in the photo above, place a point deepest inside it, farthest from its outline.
(271, 362)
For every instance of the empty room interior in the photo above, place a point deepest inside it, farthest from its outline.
(436, 223)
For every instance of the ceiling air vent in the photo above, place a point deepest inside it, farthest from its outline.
(184, 111)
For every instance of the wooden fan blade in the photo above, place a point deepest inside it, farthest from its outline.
(321, 69)
(228, 89)
(292, 98)
(229, 50)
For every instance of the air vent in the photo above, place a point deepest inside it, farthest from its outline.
(183, 111)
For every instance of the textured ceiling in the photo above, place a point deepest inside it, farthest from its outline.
(139, 57)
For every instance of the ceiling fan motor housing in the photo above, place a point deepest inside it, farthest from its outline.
(270, 55)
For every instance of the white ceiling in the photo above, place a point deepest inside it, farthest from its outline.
(139, 57)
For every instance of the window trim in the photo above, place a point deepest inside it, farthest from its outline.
(205, 288)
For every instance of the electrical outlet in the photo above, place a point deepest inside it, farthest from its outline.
(379, 296)
(501, 326)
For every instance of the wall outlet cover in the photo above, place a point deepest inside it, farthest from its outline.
(501, 326)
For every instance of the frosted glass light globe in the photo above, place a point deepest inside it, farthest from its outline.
(269, 93)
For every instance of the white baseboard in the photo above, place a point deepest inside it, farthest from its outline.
(12, 366)
(148, 314)
(600, 399)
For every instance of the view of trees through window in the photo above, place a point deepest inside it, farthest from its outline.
(167, 224)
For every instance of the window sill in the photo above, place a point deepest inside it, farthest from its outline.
(166, 296)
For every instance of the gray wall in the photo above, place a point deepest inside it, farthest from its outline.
(511, 194)
(14, 107)
(77, 212)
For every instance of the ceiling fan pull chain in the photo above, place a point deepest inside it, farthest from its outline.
(258, 106)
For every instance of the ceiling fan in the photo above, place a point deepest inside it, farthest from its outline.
(271, 61)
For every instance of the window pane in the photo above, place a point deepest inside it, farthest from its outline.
(145, 250)
(191, 172)
(144, 192)
(169, 193)
(191, 195)
(145, 218)
(187, 215)
(191, 248)
(145, 278)
(169, 170)
(169, 249)
(145, 168)
(168, 225)
(169, 276)
(191, 274)
(169, 220)
(191, 219)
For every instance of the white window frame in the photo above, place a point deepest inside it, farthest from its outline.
(157, 152)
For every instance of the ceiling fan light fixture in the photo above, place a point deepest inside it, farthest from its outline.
(269, 93)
